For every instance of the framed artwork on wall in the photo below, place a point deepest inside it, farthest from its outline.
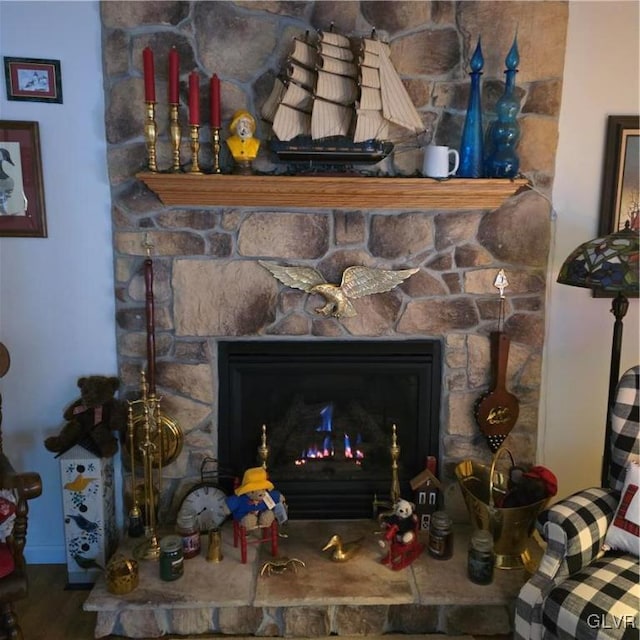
(620, 200)
(22, 212)
(33, 79)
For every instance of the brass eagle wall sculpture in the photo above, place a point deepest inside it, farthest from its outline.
(357, 282)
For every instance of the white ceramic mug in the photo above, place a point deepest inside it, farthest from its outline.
(437, 161)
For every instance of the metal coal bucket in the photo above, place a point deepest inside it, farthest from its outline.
(511, 527)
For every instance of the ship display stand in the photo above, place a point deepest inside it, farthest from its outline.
(88, 500)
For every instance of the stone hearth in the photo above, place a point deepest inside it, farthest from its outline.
(359, 597)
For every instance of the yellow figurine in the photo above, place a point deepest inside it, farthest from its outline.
(243, 146)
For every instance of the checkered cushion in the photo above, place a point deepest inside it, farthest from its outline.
(625, 426)
(602, 601)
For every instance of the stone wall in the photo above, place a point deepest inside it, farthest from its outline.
(208, 284)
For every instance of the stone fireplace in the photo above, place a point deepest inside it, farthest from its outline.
(210, 289)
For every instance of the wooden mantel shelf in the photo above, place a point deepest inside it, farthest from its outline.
(336, 192)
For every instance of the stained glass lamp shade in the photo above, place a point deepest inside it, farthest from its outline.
(607, 264)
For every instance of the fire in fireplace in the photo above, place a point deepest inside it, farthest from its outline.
(329, 408)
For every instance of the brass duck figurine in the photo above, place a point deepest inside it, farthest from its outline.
(343, 551)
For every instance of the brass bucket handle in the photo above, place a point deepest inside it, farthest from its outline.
(493, 470)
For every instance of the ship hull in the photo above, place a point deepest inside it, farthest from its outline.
(332, 151)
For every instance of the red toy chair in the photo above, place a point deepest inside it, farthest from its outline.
(401, 555)
(269, 534)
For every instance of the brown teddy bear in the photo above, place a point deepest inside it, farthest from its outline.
(92, 419)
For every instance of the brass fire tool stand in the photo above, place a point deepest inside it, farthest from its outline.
(151, 135)
(155, 440)
(176, 136)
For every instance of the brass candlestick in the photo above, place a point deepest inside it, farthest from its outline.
(263, 449)
(215, 143)
(151, 135)
(395, 455)
(176, 135)
(194, 135)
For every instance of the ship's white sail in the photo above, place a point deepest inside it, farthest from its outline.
(328, 92)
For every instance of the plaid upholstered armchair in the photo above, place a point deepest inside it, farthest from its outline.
(580, 590)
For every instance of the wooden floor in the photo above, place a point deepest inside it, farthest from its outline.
(53, 613)
(50, 612)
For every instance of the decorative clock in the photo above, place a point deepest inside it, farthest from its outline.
(208, 502)
(207, 499)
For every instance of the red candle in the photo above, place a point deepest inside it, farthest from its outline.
(194, 98)
(149, 75)
(215, 101)
(174, 66)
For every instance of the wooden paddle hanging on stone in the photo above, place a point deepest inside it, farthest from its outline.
(496, 412)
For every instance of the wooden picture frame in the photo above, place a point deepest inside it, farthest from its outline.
(620, 199)
(620, 196)
(33, 80)
(22, 211)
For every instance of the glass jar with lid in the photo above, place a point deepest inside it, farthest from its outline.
(440, 536)
(171, 558)
(480, 559)
(188, 530)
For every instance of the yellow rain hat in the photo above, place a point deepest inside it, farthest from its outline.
(254, 479)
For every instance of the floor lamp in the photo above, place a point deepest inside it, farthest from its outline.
(607, 264)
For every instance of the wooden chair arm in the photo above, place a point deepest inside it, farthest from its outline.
(27, 484)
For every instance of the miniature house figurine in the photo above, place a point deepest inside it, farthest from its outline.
(425, 493)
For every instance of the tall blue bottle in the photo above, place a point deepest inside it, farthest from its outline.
(471, 145)
(504, 133)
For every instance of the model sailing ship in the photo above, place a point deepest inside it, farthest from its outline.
(337, 108)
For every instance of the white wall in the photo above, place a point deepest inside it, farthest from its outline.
(56, 294)
(600, 79)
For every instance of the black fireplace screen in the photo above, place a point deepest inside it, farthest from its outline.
(329, 408)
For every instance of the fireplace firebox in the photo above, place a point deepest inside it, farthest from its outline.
(329, 407)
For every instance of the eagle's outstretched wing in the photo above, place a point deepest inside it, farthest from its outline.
(304, 278)
(361, 281)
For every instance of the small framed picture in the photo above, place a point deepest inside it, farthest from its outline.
(33, 79)
(22, 211)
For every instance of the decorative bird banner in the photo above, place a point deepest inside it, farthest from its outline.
(357, 282)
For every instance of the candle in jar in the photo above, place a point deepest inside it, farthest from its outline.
(194, 98)
(149, 75)
(215, 101)
(174, 66)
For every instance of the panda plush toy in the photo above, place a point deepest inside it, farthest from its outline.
(404, 518)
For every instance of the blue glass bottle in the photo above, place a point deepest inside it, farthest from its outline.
(504, 133)
(471, 145)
